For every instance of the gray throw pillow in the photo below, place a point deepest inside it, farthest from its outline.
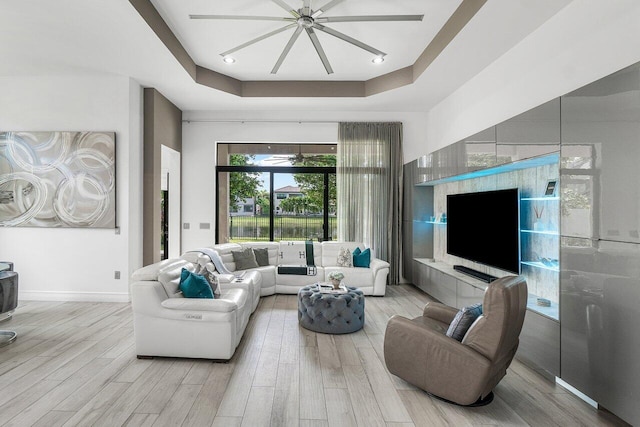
(210, 278)
(262, 256)
(463, 321)
(244, 259)
(344, 258)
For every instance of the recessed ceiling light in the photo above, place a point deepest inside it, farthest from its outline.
(228, 59)
(378, 60)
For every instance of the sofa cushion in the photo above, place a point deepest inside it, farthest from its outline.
(244, 259)
(293, 252)
(357, 277)
(331, 249)
(224, 250)
(361, 258)
(463, 321)
(169, 277)
(210, 277)
(344, 258)
(262, 256)
(194, 285)
(273, 249)
(152, 271)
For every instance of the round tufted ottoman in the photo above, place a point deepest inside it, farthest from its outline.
(331, 313)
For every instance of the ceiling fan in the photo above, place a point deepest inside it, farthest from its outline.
(308, 19)
(297, 159)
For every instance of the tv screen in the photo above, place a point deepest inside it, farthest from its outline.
(485, 227)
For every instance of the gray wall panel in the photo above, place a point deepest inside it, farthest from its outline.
(600, 254)
(540, 344)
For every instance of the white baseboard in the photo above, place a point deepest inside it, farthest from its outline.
(73, 296)
(577, 392)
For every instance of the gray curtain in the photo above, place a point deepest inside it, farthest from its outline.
(369, 181)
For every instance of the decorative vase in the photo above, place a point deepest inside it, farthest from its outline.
(336, 283)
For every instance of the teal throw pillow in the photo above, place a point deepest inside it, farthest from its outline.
(361, 258)
(194, 285)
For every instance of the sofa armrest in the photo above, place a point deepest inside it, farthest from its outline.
(440, 312)
(225, 278)
(377, 264)
(200, 304)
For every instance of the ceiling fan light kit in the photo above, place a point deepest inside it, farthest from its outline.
(307, 19)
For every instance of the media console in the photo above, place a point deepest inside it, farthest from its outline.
(447, 285)
(487, 278)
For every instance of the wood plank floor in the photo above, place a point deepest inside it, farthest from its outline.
(74, 364)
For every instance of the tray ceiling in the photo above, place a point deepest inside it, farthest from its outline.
(205, 40)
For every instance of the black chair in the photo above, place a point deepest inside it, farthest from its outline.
(8, 299)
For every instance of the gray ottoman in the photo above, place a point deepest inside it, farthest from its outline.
(331, 313)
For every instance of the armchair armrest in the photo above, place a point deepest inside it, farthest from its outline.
(440, 312)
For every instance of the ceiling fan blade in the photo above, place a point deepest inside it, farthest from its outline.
(348, 39)
(286, 7)
(257, 39)
(242, 17)
(286, 50)
(306, 7)
(326, 7)
(379, 18)
(316, 43)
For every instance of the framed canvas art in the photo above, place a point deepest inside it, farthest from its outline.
(58, 179)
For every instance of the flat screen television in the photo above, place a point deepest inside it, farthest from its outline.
(484, 227)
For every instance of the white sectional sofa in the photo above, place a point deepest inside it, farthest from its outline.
(169, 325)
(372, 280)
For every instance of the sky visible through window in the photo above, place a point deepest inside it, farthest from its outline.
(280, 179)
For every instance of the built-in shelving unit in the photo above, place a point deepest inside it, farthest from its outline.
(431, 222)
(549, 233)
(540, 251)
(540, 265)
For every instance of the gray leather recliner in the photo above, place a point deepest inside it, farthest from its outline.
(466, 372)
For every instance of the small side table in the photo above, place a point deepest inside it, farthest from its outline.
(331, 313)
(8, 299)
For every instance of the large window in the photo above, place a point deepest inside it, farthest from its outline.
(291, 190)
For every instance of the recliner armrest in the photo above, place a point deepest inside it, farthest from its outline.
(378, 264)
(200, 304)
(440, 312)
(225, 278)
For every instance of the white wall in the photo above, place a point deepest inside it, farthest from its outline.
(79, 264)
(585, 41)
(198, 150)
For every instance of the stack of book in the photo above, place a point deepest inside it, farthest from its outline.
(327, 288)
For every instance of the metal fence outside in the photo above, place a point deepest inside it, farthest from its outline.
(286, 227)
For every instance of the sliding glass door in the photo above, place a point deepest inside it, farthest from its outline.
(275, 192)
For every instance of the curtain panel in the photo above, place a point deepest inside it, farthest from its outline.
(369, 184)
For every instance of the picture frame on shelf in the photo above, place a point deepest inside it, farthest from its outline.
(550, 190)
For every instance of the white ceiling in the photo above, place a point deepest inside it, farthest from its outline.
(206, 39)
(43, 37)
